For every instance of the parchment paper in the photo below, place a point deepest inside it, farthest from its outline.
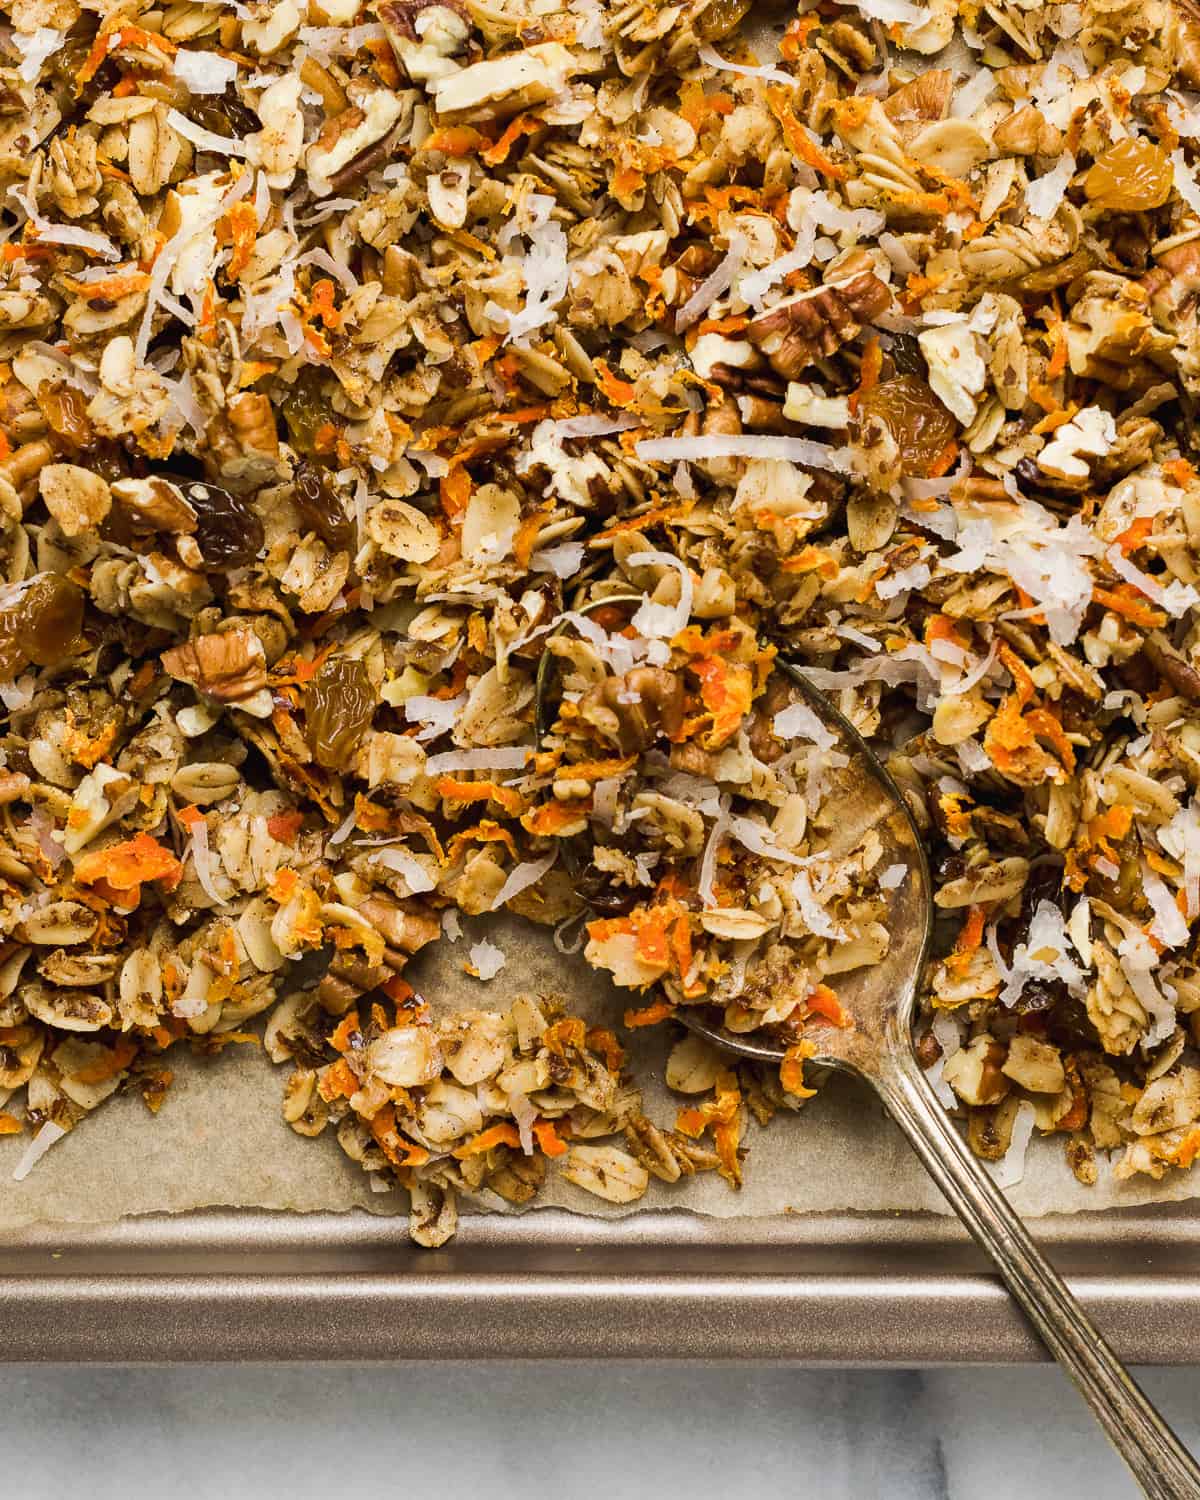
(220, 1139)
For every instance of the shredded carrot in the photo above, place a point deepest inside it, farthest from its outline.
(522, 125)
(868, 372)
(619, 392)
(791, 1069)
(601, 1040)
(455, 140)
(559, 1035)
(823, 1002)
(555, 819)
(454, 490)
(722, 1114)
(338, 1081)
(503, 1134)
(1058, 360)
(456, 790)
(649, 1015)
(1126, 600)
(127, 865)
(284, 826)
(347, 1028)
(240, 227)
(697, 107)
(548, 1140)
(399, 1151)
(10, 1125)
(115, 1061)
(798, 138)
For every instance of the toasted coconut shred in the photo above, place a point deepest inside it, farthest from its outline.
(357, 360)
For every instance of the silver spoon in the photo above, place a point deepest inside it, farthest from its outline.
(879, 1049)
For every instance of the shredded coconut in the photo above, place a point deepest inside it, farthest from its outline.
(486, 960)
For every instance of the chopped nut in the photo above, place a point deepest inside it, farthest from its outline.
(228, 666)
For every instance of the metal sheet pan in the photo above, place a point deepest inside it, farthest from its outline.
(836, 1289)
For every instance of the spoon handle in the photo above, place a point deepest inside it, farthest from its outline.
(1158, 1460)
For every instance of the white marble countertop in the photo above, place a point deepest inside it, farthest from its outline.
(607, 1432)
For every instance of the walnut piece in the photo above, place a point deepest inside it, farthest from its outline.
(634, 709)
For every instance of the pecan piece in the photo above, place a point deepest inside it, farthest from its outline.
(228, 666)
(816, 324)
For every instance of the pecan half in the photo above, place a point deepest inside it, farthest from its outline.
(228, 666)
(816, 324)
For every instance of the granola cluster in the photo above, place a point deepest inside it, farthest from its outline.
(358, 362)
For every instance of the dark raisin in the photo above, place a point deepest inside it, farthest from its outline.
(320, 506)
(228, 532)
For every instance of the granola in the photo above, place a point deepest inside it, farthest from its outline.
(357, 361)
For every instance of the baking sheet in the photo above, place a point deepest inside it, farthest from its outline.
(220, 1140)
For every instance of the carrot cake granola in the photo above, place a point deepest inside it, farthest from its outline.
(358, 362)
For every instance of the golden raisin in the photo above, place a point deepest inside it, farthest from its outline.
(339, 704)
(1134, 174)
(719, 18)
(919, 424)
(40, 621)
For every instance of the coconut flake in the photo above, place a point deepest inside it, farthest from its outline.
(328, 208)
(1045, 193)
(1176, 597)
(486, 959)
(812, 911)
(451, 925)
(1047, 561)
(973, 94)
(894, 12)
(524, 1112)
(205, 140)
(713, 58)
(1169, 926)
(340, 41)
(798, 721)
(544, 269)
(204, 72)
(564, 561)
(714, 285)
(1045, 955)
(65, 234)
(747, 445)
(756, 837)
(1010, 1169)
(708, 863)
(589, 425)
(164, 261)
(203, 860)
(36, 1149)
(326, 262)
(662, 621)
(344, 829)
(414, 873)
(948, 1034)
(498, 758)
(1181, 839)
(436, 714)
(1185, 180)
(754, 287)
(35, 47)
(1138, 962)
(521, 877)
